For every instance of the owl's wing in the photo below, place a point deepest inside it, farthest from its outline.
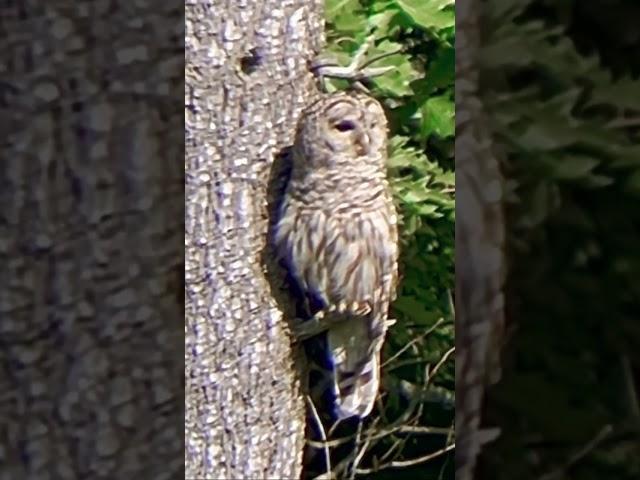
(355, 274)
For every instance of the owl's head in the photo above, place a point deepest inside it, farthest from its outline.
(342, 129)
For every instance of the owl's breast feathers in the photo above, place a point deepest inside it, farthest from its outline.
(344, 255)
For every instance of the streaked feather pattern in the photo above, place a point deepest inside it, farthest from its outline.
(337, 233)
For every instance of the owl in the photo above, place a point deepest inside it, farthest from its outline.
(336, 233)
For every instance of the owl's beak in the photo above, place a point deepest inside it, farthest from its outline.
(362, 143)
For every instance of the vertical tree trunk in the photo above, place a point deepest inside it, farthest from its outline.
(479, 247)
(247, 80)
(90, 241)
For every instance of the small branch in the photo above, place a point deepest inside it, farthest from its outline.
(441, 362)
(413, 342)
(331, 443)
(632, 395)
(380, 57)
(381, 434)
(357, 69)
(425, 430)
(580, 454)
(407, 463)
(624, 122)
(323, 436)
(452, 431)
(359, 454)
(343, 465)
(398, 445)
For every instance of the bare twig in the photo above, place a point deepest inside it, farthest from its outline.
(441, 362)
(406, 426)
(332, 443)
(631, 393)
(407, 463)
(343, 465)
(424, 430)
(356, 70)
(413, 342)
(452, 432)
(624, 122)
(359, 452)
(381, 434)
(380, 57)
(403, 425)
(398, 444)
(580, 454)
(408, 362)
(323, 435)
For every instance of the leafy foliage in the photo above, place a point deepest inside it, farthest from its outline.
(565, 111)
(418, 38)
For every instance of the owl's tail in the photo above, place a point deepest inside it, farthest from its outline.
(355, 356)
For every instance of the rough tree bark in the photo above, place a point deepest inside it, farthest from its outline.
(91, 248)
(246, 81)
(479, 247)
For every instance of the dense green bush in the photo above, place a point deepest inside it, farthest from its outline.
(415, 416)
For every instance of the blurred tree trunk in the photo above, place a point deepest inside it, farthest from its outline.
(479, 247)
(246, 80)
(91, 191)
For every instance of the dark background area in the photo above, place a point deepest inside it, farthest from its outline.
(560, 83)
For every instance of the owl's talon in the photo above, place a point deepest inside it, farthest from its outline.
(305, 329)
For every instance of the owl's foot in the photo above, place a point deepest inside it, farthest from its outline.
(321, 322)
(305, 329)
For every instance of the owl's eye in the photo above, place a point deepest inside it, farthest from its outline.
(345, 126)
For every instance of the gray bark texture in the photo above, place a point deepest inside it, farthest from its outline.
(246, 80)
(480, 259)
(91, 247)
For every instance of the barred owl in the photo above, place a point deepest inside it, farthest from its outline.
(336, 233)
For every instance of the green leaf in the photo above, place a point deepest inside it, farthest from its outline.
(572, 167)
(346, 16)
(429, 14)
(416, 195)
(395, 82)
(438, 116)
(428, 210)
(416, 310)
(440, 73)
(333, 7)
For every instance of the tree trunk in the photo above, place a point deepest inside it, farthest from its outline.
(479, 247)
(91, 247)
(247, 80)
